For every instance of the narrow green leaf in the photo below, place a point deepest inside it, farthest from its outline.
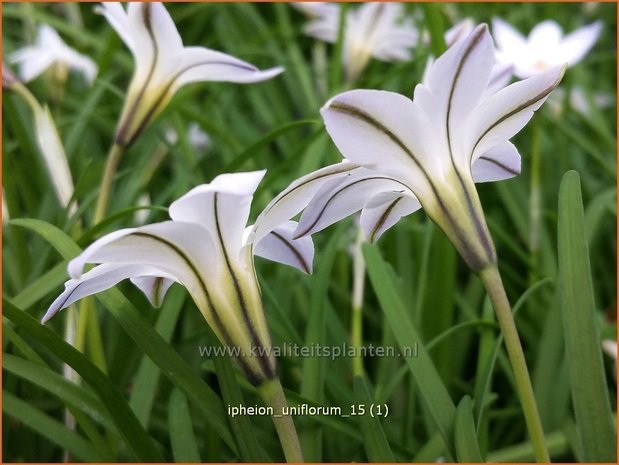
(140, 330)
(146, 381)
(49, 428)
(41, 287)
(56, 384)
(182, 437)
(9, 334)
(312, 384)
(590, 393)
(136, 438)
(374, 438)
(467, 447)
(250, 151)
(423, 370)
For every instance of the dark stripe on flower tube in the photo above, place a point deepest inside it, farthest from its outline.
(338, 192)
(264, 361)
(381, 221)
(254, 378)
(518, 109)
(345, 167)
(156, 107)
(478, 222)
(64, 301)
(121, 133)
(503, 166)
(293, 249)
(363, 116)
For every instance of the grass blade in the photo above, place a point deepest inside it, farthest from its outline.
(467, 447)
(128, 425)
(244, 432)
(312, 386)
(170, 363)
(56, 384)
(374, 438)
(423, 370)
(590, 396)
(49, 428)
(182, 437)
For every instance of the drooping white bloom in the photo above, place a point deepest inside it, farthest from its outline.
(207, 248)
(48, 141)
(54, 156)
(371, 30)
(429, 151)
(546, 47)
(163, 64)
(50, 50)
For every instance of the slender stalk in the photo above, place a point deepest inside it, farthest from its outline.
(494, 286)
(356, 324)
(273, 396)
(105, 190)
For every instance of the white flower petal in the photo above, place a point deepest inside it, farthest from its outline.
(499, 77)
(508, 40)
(545, 36)
(153, 287)
(164, 31)
(49, 49)
(380, 129)
(610, 347)
(115, 14)
(96, 280)
(575, 45)
(335, 202)
(502, 162)
(32, 62)
(324, 29)
(317, 9)
(506, 112)
(455, 85)
(279, 246)
(385, 210)
(294, 198)
(221, 207)
(182, 250)
(459, 31)
(202, 64)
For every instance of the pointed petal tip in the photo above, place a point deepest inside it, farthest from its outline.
(48, 316)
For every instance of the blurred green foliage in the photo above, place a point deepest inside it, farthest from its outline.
(254, 127)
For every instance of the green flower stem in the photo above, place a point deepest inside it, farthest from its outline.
(105, 190)
(273, 396)
(24, 93)
(494, 286)
(356, 326)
